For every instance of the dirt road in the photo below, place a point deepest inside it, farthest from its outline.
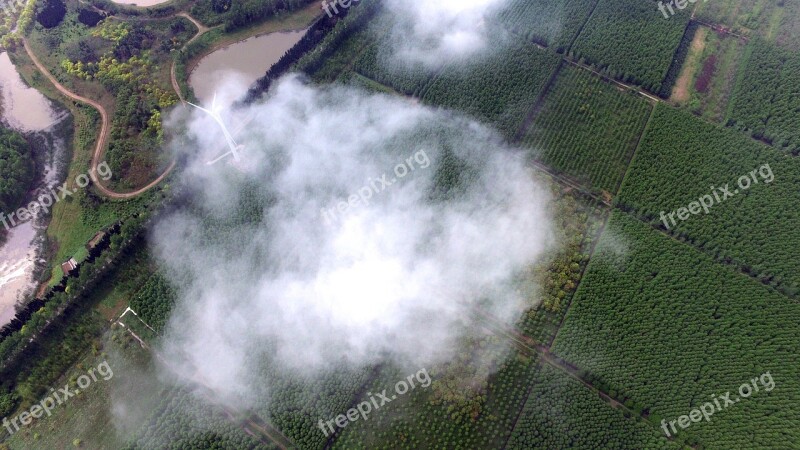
(102, 139)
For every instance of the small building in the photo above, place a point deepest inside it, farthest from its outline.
(69, 266)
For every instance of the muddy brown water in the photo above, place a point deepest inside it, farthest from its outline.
(28, 111)
(239, 65)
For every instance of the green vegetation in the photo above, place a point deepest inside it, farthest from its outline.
(787, 32)
(550, 23)
(16, 167)
(374, 63)
(766, 104)
(118, 56)
(236, 14)
(666, 327)
(588, 128)
(296, 404)
(500, 90)
(89, 416)
(584, 420)
(709, 77)
(342, 45)
(446, 415)
(742, 16)
(52, 13)
(659, 318)
(682, 157)
(555, 280)
(184, 421)
(154, 302)
(631, 41)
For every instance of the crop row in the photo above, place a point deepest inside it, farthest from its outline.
(550, 23)
(631, 40)
(666, 328)
(588, 128)
(682, 158)
(766, 101)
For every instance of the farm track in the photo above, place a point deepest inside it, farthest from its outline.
(531, 348)
(102, 138)
(201, 30)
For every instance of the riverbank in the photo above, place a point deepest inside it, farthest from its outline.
(47, 128)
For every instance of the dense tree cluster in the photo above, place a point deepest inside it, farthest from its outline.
(587, 128)
(248, 12)
(678, 60)
(183, 421)
(51, 13)
(440, 417)
(154, 301)
(577, 224)
(234, 14)
(296, 403)
(90, 17)
(681, 157)
(16, 169)
(376, 64)
(666, 328)
(339, 41)
(563, 413)
(631, 41)
(766, 103)
(550, 23)
(500, 90)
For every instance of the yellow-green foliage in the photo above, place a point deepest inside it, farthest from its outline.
(164, 98)
(109, 69)
(26, 17)
(154, 125)
(113, 31)
(77, 69)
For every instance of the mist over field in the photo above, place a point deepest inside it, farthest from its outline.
(432, 32)
(267, 260)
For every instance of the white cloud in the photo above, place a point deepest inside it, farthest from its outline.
(397, 278)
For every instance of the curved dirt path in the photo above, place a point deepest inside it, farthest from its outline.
(102, 138)
(201, 29)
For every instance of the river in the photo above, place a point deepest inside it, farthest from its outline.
(28, 111)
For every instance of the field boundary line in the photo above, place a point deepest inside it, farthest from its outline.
(544, 355)
(635, 150)
(684, 239)
(537, 106)
(580, 30)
